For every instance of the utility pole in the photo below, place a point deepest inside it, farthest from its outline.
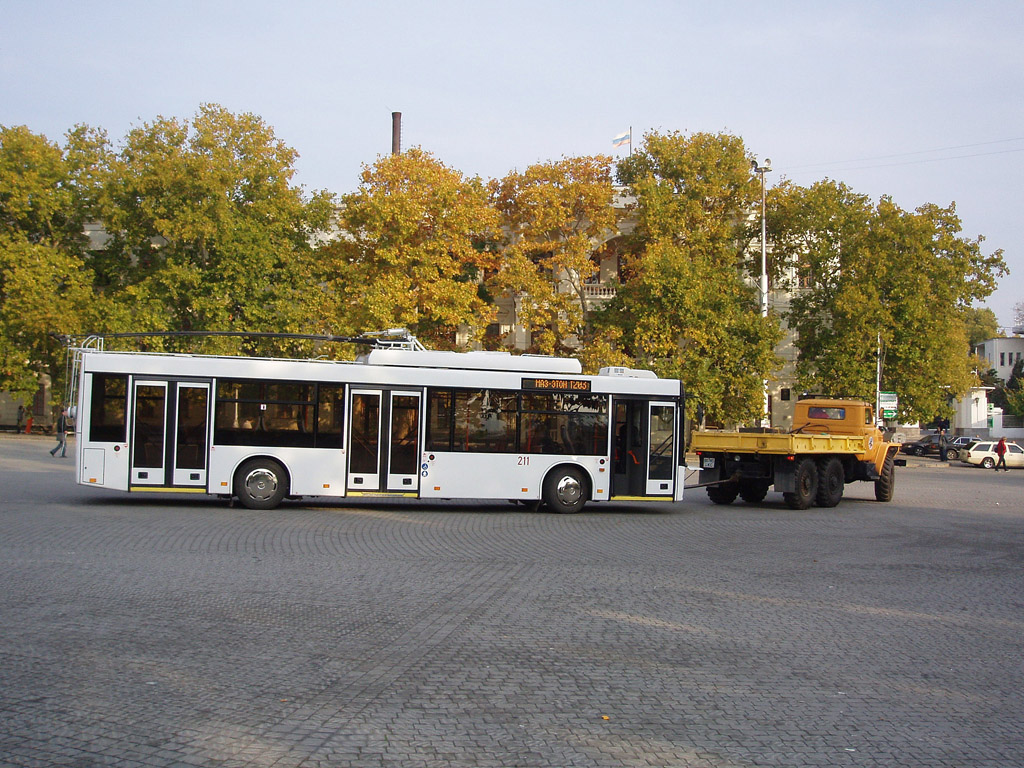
(761, 170)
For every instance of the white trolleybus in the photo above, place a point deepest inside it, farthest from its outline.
(399, 421)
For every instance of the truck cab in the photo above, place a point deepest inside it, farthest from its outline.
(827, 416)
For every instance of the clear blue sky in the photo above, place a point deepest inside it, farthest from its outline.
(922, 101)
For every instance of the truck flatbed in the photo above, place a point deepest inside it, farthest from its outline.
(778, 443)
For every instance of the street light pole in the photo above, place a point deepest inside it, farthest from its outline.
(761, 170)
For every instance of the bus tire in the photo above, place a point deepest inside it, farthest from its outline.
(565, 490)
(261, 484)
(723, 493)
(885, 485)
(805, 478)
(831, 479)
(753, 491)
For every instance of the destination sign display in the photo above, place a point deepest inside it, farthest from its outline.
(557, 385)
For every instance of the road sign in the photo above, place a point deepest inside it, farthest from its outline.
(888, 402)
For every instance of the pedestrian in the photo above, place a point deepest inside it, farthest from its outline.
(62, 435)
(943, 445)
(1001, 453)
(21, 417)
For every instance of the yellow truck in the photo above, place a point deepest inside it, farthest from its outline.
(833, 442)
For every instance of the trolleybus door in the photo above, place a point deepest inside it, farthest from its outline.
(661, 458)
(190, 434)
(149, 437)
(404, 442)
(364, 440)
(384, 441)
(644, 447)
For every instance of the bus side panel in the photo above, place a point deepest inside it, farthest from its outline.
(99, 464)
(313, 471)
(501, 475)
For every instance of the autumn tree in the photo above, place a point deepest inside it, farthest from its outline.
(683, 307)
(413, 251)
(46, 194)
(207, 230)
(553, 218)
(867, 272)
(981, 324)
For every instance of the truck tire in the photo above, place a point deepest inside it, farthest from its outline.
(723, 493)
(885, 485)
(753, 491)
(805, 479)
(831, 479)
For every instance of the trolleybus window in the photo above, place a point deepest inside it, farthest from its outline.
(497, 421)
(330, 409)
(485, 421)
(108, 407)
(564, 424)
(275, 413)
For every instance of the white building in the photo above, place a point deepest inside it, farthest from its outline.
(1002, 354)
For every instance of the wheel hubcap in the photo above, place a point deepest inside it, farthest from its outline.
(568, 490)
(261, 484)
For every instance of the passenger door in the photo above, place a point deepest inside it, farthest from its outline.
(384, 441)
(149, 433)
(169, 409)
(192, 408)
(661, 454)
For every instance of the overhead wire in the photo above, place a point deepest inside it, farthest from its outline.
(851, 165)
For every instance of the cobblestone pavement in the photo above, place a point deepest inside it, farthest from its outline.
(157, 631)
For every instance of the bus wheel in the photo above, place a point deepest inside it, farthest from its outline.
(831, 479)
(805, 478)
(565, 490)
(261, 484)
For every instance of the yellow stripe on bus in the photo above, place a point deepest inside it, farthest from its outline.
(163, 489)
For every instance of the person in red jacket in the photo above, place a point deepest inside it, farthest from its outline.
(1001, 453)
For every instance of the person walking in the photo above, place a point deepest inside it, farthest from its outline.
(943, 446)
(1001, 453)
(62, 435)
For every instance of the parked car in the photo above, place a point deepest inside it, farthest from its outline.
(962, 443)
(928, 445)
(923, 446)
(983, 454)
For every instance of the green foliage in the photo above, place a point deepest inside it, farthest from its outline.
(981, 324)
(685, 317)
(413, 251)
(207, 231)
(866, 272)
(553, 216)
(45, 285)
(683, 308)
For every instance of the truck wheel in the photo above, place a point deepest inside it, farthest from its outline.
(805, 478)
(885, 485)
(724, 493)
(753, 491)
(831, 479)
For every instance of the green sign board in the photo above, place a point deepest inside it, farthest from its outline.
(888, 402)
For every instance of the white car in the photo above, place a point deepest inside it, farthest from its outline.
(983, 454)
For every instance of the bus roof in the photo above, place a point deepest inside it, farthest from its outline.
(495, 370)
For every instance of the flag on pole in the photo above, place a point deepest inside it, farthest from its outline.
(623, 139)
